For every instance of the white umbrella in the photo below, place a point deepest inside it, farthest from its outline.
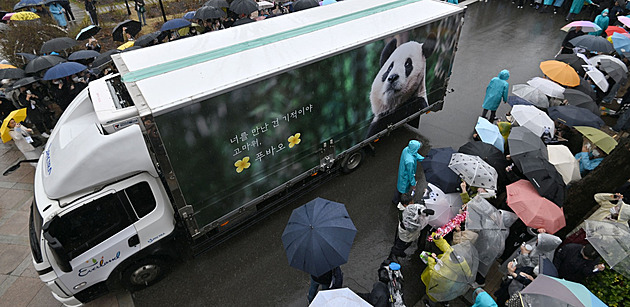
(564, 162)
(338, 298)
(474, 170)
(597, 77)
(547, 86)
(533, 119)
(531, 94)
(264, 5)
(598, 58)
(445, 205)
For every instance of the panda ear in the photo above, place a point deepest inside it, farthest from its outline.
(429, 45)
(388, 50)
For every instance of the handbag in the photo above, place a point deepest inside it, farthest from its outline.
(36, 141)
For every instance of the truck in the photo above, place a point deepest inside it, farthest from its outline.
(193, 140)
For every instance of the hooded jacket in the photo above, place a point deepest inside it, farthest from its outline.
(576, 6)
(602, 21)
(408, 164)
(496, 91)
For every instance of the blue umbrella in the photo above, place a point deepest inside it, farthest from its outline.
(27, 3)
(489, 133)
(545, 266)
(63, 70)
(436, 171)
(514, 100)
(575, 116)
(318, 236)
(621, 43)
(189, 15)
(175, 24)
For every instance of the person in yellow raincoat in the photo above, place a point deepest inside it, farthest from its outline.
(443, 277)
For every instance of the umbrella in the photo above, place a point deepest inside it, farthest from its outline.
(582, 100)
(598, 137)
(243, 21)
(475, 171)
(189, 15)
(126, 45)
(83, 54)
(133, 28)
(457, 271)
(327, 2)
(24, 16)
(587, 26)
(7, 16)
(575, 116)
(304, 4)
(63, 70)
(625, 20)
(104, 58)
(489, 133)
(5, 66)
(620, 43)
(58, 44)
(523, 142)
(598, 58)
(613, 69)
(88, 32)
(553, 292)
(42, 62)
(264, 5)
(343, 297)
(436, 171)
(593, 43)
(18, 115)
(175, 24)
(217, 3)
(147, 39)
(209, 12)
(490, 154)
(318, 236)
(531, 94)
(533, 119)
(534, 210)
(132, 48)
(565, 163)
(575, 61)
(549, 87)
(543, 176)
(24, 82)
(560, 72)
(27, 56)
(612, 242)
(483, 215)
(585, 88)
(445, 205)
(27, 3)
(515, 100)
(546, 267)
(243, 6)
(11, 73)
(614, 29)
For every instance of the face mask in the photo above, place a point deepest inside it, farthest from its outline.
(56, 82)
(596, 153)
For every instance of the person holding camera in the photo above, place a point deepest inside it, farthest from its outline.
(34, 112)
(412, 218)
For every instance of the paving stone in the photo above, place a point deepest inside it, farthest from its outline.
(10, 199)
(44, 298)
(21, 292)
(11, 256)
(17, 224)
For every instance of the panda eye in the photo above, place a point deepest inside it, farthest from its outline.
(408, 67)
(387, 72)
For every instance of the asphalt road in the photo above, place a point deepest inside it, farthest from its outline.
(251, 269)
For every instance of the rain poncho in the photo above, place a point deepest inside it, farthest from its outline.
(602, 21)
(57, 12)
(496, 91)
(603, 212)
(411, 222)
(453, 1)
(545, 244)
(445, 279)
(576, 6)
(558, 3)
(484, 300)
(505, 128)
(586, 163)
(408, 165)
(548, 2)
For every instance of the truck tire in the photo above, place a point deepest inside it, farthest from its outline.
(143, 273)
(352, 161)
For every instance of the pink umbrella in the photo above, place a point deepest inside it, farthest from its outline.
(7, 16)
(587, 26)
(625, 20)
(534, 210)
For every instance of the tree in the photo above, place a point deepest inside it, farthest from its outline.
(609, 175)
(27, 36)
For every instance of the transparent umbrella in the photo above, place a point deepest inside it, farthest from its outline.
(531, 94)
(612, 242)
(453, 273)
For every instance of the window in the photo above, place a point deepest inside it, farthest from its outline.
(141, 198)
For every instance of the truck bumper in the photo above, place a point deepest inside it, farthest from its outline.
(66, 301)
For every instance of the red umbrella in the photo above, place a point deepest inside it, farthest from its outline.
(612, 29)
(534, 210)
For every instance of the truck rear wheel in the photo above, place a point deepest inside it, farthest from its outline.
(144, 273)
(352, 161)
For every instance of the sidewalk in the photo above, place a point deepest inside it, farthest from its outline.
(19, 283)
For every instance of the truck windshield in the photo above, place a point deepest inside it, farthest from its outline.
(122, 99)
(34, 232)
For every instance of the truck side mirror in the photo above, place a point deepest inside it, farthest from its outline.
(60, 255)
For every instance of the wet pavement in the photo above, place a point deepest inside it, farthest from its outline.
(251, 269)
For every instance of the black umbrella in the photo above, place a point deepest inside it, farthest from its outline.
(437, 172)
(612, 69)
(12, 73)
(593, 43)
(173, 24)
(217, 3)
(209, 12)
(544, 177)
(491, 155)
(133, 28)
(147, 39)
(242, 21)
(304, 4)
(27, 56)
(58, 44)
(23, 82)
(42, 62)
(83, 54)
(575, 116)
(581, 99)
(522, 141)
(574, 61)
(243, 6)
(585, 88)
(104, 58)
(88, 32)
(132, 48)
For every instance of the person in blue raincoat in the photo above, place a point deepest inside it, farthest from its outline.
(576, 8)
(546, 4)
(407, 169)
(588, 161)
(557, 5)
(57, 12)
(496, 91)
(483, 299)
(453, 1)
(602, 21)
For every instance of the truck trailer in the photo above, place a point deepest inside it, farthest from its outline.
(193, 140)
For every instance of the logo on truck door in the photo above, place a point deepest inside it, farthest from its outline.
(97, 264)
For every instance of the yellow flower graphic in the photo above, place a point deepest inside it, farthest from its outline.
(294, 140)
(242, 164)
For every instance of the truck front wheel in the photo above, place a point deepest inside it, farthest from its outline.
(144, 273)
(352, 161)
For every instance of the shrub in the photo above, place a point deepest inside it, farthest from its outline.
(27, 36)
(611, 287)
